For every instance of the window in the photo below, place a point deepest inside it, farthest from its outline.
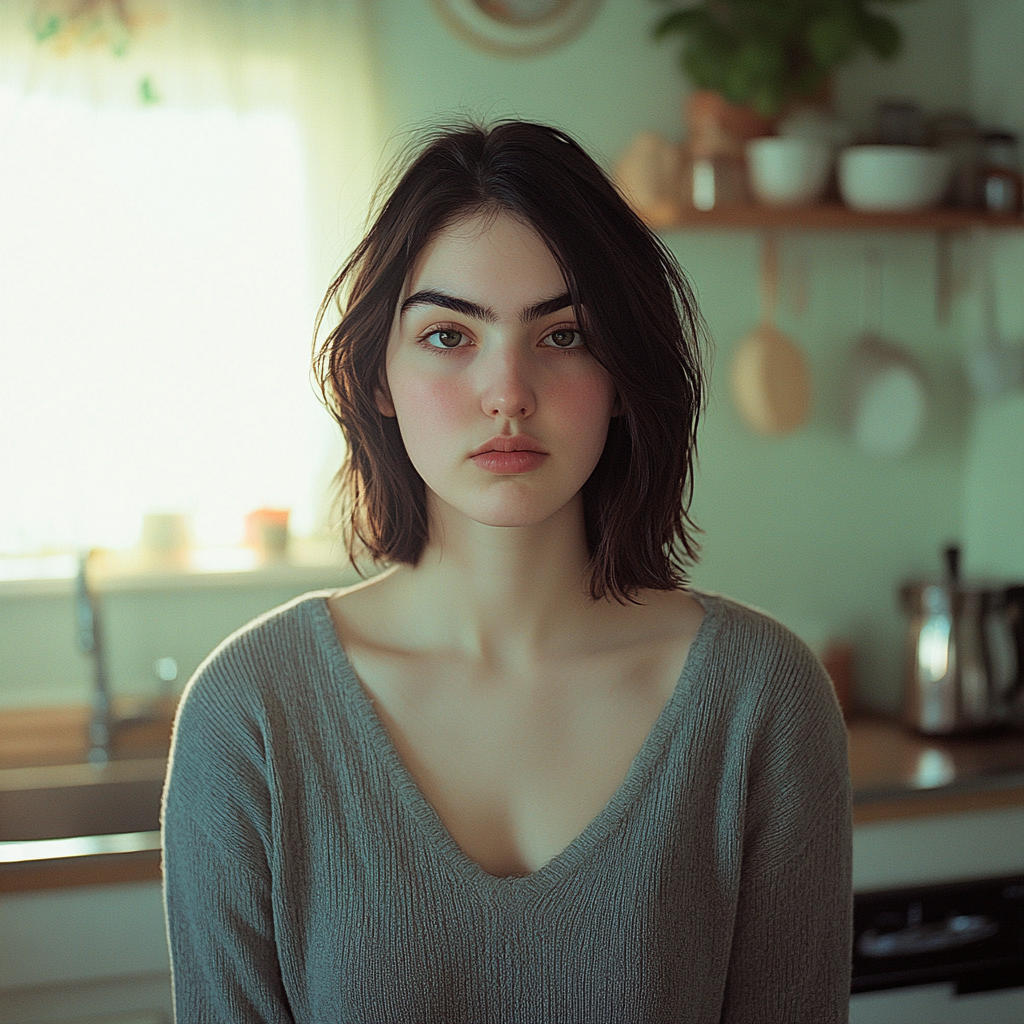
(178, 183)
(155, 321)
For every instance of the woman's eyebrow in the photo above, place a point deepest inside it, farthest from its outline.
(545, 308)
(445, 301)
(485, 313)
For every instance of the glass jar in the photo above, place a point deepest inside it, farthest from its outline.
(1001, 182)
(899, 123)
(713, 169)
(956, 133)
(713, 180)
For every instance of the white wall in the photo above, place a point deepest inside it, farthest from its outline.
(994, 475)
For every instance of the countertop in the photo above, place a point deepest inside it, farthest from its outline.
(898, 774)
(895, 774)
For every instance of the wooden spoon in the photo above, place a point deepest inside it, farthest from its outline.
(771, 382)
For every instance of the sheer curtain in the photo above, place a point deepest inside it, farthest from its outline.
(178, 182)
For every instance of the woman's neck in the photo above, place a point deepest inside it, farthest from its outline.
(507, 597)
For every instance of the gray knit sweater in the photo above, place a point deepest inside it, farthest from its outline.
(308, 879)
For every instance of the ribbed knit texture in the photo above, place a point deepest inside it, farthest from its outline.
(308, 879)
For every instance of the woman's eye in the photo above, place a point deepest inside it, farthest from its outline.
(565, 337)
(444, 338)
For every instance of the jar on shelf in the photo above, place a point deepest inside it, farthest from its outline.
(955, 132)
(713, 180)
(899, 123)
(714, 172)
(1001, 182)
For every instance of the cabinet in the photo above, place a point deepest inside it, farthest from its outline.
(908, 853)
(93, 952)
(941, 848)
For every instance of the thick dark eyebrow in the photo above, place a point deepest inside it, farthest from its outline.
(485, 313)
(456, 305)
(545, 308)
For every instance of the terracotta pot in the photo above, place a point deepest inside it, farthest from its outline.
(711, 116)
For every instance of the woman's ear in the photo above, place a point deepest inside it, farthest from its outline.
(382, 397)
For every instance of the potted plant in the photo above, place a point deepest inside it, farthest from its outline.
(761, 55)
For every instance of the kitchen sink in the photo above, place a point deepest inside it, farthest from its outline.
(68, 801)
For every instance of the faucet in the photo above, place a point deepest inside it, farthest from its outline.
(104, 724)
(90, 641)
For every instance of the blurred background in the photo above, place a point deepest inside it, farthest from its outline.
(179, 182)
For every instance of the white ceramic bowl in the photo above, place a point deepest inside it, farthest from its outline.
(892, 178)
(788, 171)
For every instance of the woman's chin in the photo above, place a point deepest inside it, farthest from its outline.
(510, 518)
(505, 511)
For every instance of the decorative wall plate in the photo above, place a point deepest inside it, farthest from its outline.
(516, 27)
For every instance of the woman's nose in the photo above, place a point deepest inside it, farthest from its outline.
(507, 389)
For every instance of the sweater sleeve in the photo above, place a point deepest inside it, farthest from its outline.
(790, 959)
(217, 856)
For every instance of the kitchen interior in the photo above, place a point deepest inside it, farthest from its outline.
(870, 494)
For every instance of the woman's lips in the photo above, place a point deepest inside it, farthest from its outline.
(510, 443)
(510, 453)
(509, 462)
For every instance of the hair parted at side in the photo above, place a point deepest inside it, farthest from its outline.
(640, 321)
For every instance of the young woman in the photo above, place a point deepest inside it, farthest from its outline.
(524, 774)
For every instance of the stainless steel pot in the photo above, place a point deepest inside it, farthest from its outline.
(965, 655)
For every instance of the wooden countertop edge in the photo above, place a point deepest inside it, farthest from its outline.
(145, 866)
(927, 805)
(28, 735)
(106, 869)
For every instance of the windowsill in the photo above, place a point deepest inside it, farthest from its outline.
(311, 563)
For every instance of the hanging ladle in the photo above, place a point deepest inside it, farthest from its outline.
(887, 387)
(771, 382)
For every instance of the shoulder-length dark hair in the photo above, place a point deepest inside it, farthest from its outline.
(640, 320)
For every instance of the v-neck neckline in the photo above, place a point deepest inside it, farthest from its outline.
(378, 745)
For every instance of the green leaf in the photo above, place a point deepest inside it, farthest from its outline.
(46, 28)
(756, 74)
(761, 60)
(768, 100)
(808, 81)
(882, 35)
(832, 38)
(704, 68)
(686, 22)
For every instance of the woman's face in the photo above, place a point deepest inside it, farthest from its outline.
(486, 354)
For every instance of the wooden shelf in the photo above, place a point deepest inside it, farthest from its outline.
(834, 217)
